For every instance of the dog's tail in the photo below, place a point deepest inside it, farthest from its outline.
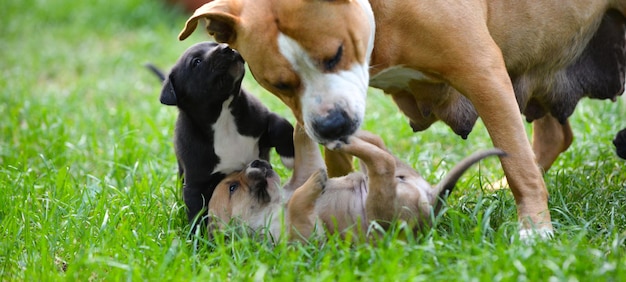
(156, 71)
(444, 188)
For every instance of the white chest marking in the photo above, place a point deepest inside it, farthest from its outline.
(398, 78)
(234, 150)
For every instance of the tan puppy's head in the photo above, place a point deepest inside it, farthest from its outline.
(312, 54)
(246, 194)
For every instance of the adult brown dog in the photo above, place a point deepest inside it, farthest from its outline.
(439, 60)
(387, 190)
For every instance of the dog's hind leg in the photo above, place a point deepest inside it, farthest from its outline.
(550, 139)
(381, 202)
(599, 73)
(307, 160)
(337, 163)
(301, 207)
(371, 138)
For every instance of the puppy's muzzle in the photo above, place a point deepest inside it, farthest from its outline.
(224, 51)
(337, 125)
(261, 164)
(259, 169)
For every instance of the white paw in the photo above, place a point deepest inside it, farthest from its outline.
(528, 235)
(498, 184)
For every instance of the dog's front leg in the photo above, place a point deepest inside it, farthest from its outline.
(483, 78)
(197, 197)
(550, 139)
(280, 135)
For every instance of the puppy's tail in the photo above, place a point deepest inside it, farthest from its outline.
(156, 71)
(445, 187)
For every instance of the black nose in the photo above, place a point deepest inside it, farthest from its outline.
(223, 49)
(335, 126)
(261, 164)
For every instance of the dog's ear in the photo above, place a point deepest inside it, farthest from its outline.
(221, 17)
(168, 95)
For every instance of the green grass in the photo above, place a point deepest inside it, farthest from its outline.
(88, 174)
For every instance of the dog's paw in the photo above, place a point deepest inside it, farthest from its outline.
(320, 178)
(530, 236)
(500, 184)
(335, 145)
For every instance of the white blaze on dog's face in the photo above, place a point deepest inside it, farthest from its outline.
(312, 54)
(246, 195)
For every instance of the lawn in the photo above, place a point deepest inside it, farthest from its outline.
(89, 188)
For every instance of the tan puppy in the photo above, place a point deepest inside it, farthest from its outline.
(440, 60)
(388, 189)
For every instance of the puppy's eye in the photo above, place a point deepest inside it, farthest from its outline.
(233, 187)
(330, 64)
(400, 177)
(195, 62)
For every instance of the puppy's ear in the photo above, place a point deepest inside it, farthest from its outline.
(221, 17)
(168, 95)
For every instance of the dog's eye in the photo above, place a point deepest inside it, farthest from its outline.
(400, 177)
(233, 187)
(282, 86)
(195, 62)
(330, 64)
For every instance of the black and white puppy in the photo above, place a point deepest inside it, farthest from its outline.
(220, 127)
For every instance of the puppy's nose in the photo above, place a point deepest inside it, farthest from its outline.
(261, 164)
(335, 126)
(224, 49)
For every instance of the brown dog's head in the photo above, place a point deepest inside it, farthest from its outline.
(312, 54)
(246, 194)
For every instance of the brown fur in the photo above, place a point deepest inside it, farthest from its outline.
(477, 58)
(388, 190)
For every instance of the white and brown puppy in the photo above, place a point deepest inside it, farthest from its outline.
(387, 190)
(440, 60)
(220, 127)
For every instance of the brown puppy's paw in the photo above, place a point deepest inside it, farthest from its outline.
(345, 145)
(319, 179)
(335, 145)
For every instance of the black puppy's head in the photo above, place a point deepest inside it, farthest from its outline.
(206, 74)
